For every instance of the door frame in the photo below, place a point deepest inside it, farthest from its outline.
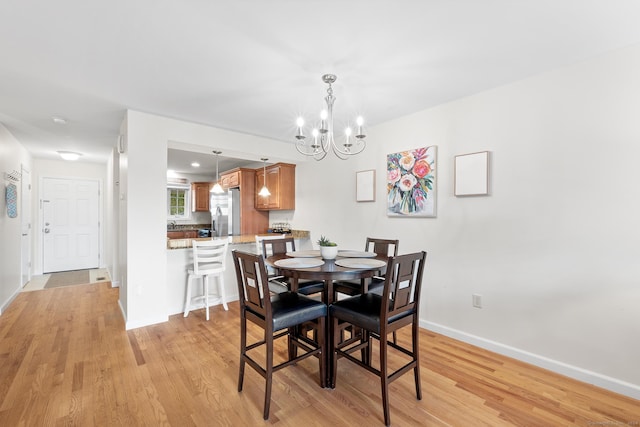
(26, 200)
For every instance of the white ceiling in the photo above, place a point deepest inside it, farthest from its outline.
(252, 65)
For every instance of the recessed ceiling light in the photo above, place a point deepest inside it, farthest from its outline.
(195, 164)
(59, 120)
(69, 155)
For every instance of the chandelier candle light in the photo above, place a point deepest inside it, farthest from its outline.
(323, 138)
(217, 188)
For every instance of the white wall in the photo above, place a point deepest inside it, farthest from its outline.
(73, 170)
(142, 222)
(12, 157)
(553, 250)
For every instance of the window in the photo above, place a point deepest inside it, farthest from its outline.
(178, 203)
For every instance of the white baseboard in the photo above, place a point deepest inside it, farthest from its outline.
(4, 306)
(140, 323)
(146, 322)
(603, 381)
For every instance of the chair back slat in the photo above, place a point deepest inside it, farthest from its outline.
(253, 289)
(278, 246)
(402, 285)
(209, 255)
(382, 247)
(260, 239)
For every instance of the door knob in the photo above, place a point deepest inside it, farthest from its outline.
(46, 230)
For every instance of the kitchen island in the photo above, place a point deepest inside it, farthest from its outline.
(180, 259)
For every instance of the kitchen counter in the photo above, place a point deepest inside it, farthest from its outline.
(245, 238)
(180, 260)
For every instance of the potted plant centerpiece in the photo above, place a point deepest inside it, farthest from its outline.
(328, 249)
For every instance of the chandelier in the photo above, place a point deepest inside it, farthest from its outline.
(323, 139)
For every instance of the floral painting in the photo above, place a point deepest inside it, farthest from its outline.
(411, 182)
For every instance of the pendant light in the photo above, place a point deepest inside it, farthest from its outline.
(217, 188)
(264, 191)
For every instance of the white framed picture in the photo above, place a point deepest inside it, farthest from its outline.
(471, 176)
(366, 186)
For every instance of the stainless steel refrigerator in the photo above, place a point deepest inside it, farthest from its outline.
(225, 213)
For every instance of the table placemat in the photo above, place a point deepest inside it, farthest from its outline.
(357, 254)
(299, 262)
(360, 263)
(304, 254)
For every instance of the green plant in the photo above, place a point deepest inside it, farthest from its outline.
(323, 241)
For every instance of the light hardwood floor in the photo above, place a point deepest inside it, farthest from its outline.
(66, 360)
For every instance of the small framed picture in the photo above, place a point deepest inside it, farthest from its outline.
(471, 174)
(366, 186)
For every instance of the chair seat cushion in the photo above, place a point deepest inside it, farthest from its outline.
(362, 310)
(291, 308)
(308, 287)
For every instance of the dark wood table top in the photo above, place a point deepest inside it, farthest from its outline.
(327, 272)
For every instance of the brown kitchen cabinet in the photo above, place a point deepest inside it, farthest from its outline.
(281, 182)
(182, 234)
(252, 221)
(200, 196)
(230, 179)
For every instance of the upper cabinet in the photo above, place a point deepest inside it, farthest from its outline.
(200, 196)
(230, 179)
(281, 182)
(252, 220)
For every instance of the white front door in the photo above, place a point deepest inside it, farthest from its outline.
(25, 224)
(70, 224)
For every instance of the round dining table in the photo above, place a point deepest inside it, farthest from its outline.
(328, 272)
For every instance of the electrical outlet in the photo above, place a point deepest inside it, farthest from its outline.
(476, 300)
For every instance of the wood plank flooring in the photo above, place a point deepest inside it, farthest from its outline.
(66, 360)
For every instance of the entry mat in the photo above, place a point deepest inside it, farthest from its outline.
(76, 277)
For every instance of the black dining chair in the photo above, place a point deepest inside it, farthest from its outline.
(382, 247)
(282, 246)
(278, 315)
(377, 315)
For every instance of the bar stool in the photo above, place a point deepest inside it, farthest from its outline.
(209, 260)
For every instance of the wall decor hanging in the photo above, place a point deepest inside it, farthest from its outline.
(471, 176)
(11, 198)
(411, 183)
(366, 186)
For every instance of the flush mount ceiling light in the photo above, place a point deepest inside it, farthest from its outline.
(58, 120)
(69, 155)
(323, 138)
(264, 191)
(195, 165)
(217, 188)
